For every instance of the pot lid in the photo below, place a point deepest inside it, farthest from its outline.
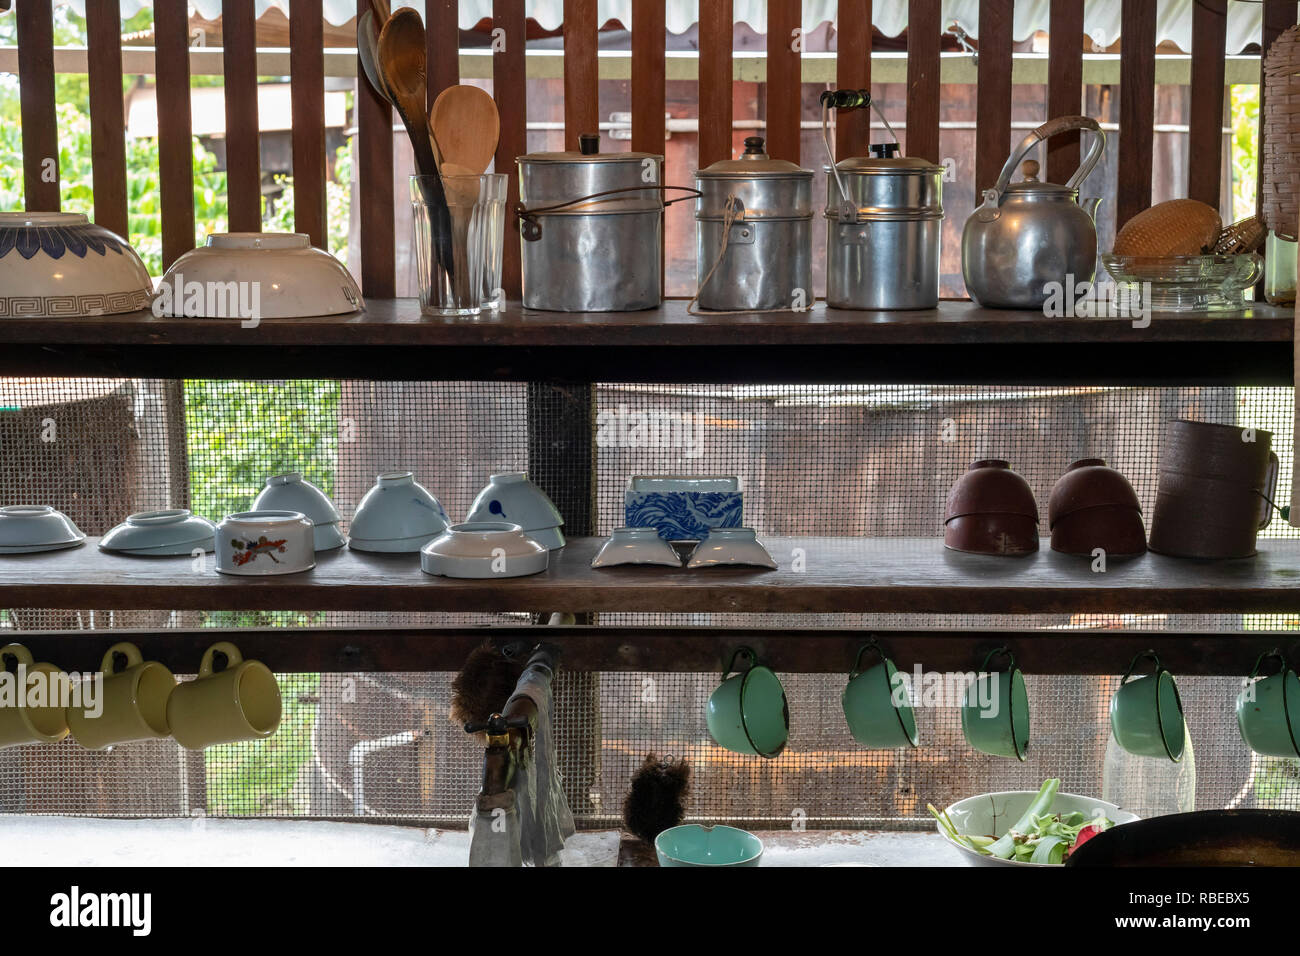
(589, 153)
(885, 164)
(754, 163)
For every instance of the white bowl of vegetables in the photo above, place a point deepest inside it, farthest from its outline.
(1026, 827)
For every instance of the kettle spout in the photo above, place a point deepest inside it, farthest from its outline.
(1090, 206)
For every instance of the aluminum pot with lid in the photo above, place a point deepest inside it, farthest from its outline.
(884, 215)
(763, 209)
(591, 227)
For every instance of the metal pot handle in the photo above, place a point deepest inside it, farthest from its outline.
(1062, 124)
(1270, 491)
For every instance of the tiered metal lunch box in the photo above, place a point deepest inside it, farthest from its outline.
(587, 247)
(768, 260)
(882, 233)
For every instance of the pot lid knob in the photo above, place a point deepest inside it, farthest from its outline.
(589, 144)
(754, 147)
(1030, 168)
(884, 150)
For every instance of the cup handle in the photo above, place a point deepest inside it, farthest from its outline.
(1011, 658)
(731, 664)
(18, 651)
(233, 657)
(132, 653)
(1275, 653)
(1132, 665)
(870, 645)
(1270, 483)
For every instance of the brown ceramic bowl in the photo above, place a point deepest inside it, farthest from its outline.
(989, 486)
(1001, 534)
(1094, 506)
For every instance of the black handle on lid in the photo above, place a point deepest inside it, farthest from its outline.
(589, 144)
(883, 150)
(754, 145)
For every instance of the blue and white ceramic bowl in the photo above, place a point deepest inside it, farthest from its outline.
(683, 507)
(61, 264)
(512, 498)
(293, 492)
(396, 515)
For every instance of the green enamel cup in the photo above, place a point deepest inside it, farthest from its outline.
(995, 711)
(1146, 713)
(748, 713)
(1268, 710)
(876, 704)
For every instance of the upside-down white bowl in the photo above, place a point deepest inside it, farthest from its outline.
(512, 498)
(60, 263)
(31, 528)
(171, 532)
(280, 272)
(484, 549)
(293, 492)
(396, 515)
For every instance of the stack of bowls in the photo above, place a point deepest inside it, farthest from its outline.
(397, 515)
(292, 492)
(171, 532)
(512, 498)
(25, 529)
(991, 510)
(484, 549)
(1093, 506)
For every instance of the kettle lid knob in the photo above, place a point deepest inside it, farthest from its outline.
(1030, 168)
(589, 143)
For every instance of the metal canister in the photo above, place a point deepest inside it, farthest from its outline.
(591, 227)
(884, 215)
(764, 207)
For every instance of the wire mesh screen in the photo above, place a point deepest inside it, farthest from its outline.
(813, 461)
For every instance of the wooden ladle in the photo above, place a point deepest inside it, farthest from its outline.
(466, 127)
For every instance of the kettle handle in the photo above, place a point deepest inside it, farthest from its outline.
(1062, 124)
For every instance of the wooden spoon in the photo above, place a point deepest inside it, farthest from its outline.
(401, 65)
(383, 12)
(466, 127)
(367, 43)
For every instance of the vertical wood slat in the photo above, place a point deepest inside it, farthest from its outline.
(1205, 122)
(175, 129)
(243, 143)
(715, 81)
(581, 77)
(1137, 103)
(373, 148)
(107, 114)
(924, 30)
(853, 72)
(510, 88)
(35, 21)
(648, 75)
(993, 94)
(1064, 85)
(442, 46)
(784, 92)
(307, 107)
(1278, 16)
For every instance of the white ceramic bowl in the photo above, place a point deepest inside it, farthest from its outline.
(992, 814)
(174, 531)
(60, 263)
(292, 492)
(26, 529)
(512, 498)
(484, 549)
(286, 278)
(396, 515)
(265, 542)
(636, 546)
(730, 546)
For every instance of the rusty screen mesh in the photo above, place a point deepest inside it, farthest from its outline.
(813, 460)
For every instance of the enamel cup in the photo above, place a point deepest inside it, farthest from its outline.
(995, 712)
(1268, 711)
(875, 704)
(133, 701)
(748, 713)
(1146, 713)
(239, 702)
(20, 724)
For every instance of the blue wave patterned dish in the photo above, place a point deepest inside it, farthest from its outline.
(683, 508)
(54, 264)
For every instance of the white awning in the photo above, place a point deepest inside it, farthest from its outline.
(1101, 17)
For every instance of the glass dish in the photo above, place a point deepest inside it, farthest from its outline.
(1210, 283)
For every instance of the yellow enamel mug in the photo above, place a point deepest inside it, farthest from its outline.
(132, 701)
(20, 724)
(240, 702)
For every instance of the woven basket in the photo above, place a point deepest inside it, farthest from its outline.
(1245, 235)
(1280, 162)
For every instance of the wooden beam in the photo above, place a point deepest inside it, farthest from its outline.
(1206, 101)
(581, 72)
(1064, 85)
(175, 132)
(107, 114)
(648, 91)
(715, 81)
(510, 88)
(40, 127)
(993, 95)
(374, 152)
(1137, 104)
(243, 137)
(853, 72)
(784, 88)
(307, 103)
(442, 46)
(924, 29)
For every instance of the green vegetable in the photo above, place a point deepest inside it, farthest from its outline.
(1049, 849)
(1005, 846)
(977, 843)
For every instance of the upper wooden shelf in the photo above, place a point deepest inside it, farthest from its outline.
(957, 343)
(904, 575)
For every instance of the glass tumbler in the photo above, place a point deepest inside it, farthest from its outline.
(458, 248)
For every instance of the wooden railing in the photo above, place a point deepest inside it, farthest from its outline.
(374, 149)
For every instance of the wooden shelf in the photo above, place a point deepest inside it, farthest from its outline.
(895, 575)
(957, 343)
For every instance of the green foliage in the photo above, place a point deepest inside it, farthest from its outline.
(1245, 140)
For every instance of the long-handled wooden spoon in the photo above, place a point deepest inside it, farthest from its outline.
(466, 127)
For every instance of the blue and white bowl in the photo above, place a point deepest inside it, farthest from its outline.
(683, 507)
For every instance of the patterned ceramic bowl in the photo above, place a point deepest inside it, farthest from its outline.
(61, 264)
(265, 542)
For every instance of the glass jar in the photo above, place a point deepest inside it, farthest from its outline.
(1280, 269)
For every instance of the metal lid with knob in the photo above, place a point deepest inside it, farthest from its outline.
(548, 178)
(762, 187)
(754, 162)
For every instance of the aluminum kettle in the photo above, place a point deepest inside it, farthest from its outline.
(1030, 240)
